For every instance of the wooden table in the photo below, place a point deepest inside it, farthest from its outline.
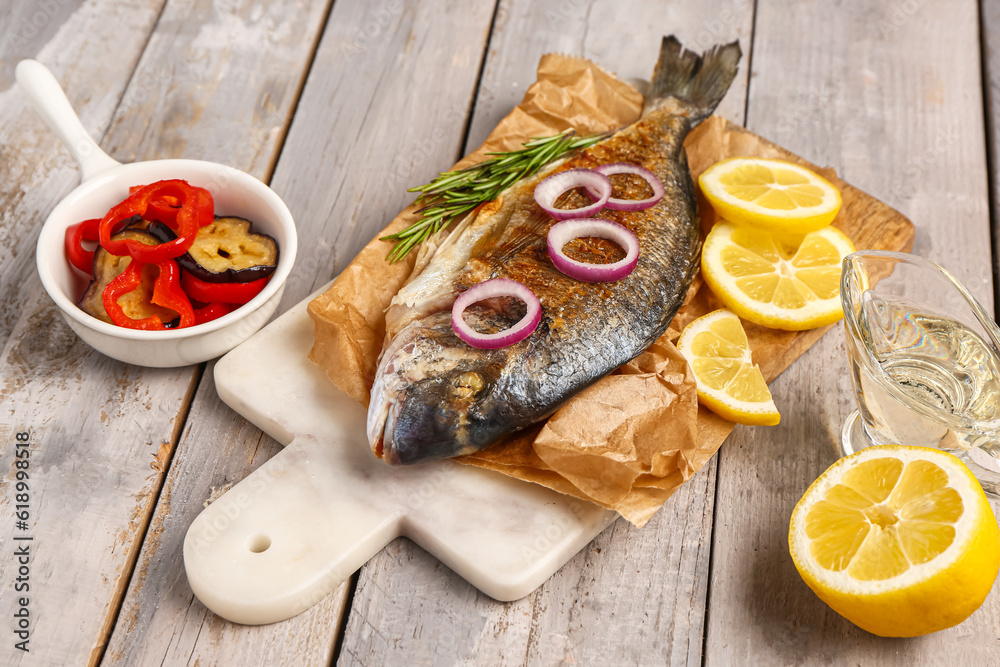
(342, 105)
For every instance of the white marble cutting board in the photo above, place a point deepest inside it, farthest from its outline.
(302, 523)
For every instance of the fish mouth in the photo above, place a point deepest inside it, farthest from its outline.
(403, 431)
(378, 415)
(388, 446)
(385, 447)
(381, 424)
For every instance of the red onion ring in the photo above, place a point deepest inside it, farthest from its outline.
(489, 289)
(563, 232)
(629, 204)
(549, 190)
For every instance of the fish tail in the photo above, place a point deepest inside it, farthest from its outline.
(698, 82)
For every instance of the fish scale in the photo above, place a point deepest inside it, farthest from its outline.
(435, 396)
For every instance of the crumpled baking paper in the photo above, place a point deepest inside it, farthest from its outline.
(631, 439)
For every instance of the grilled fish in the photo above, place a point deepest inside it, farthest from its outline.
(434, 396)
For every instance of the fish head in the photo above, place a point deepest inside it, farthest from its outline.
(434, 397)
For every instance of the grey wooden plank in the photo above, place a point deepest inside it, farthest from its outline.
(161, 622)
(378, 68)
(888, 94)
(634, 596)
(100, 439)
(607, 33)
(215, 82)
(27, 27)
(219, 80)
(382, 110)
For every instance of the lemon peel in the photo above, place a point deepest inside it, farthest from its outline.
(729, 384)
(774, 195)
(766, 279)
(901, 541)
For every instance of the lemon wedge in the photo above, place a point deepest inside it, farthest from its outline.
(766, 279)
(729, 384)
(771, 194)
(901, 541)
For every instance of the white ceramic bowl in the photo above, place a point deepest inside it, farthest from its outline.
(235, 193)
(105, 183)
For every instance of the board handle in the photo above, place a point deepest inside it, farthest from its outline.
(282, 539)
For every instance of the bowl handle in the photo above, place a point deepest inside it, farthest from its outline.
(50, 102)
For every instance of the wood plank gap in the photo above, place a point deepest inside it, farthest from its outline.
(118, 598)
(466, 149)
(183, 413)
(128, 84)
(718, 457)
(989, 109)
(194, 647)
(746, 123)
(711, 550)
(345, 614)
(279, 143)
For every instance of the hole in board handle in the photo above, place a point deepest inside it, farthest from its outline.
(259, 543)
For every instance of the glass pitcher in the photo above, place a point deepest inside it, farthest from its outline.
(925, 361)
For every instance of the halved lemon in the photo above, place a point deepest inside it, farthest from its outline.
(901, 541)
(771, 194)
(729, 384)
(766, 279)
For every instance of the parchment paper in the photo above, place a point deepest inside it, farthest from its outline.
(631, 439)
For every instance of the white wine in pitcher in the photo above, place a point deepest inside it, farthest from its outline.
(925, 364)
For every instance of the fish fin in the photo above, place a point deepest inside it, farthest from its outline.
(518, 232)
(499, 220)
(698, 82)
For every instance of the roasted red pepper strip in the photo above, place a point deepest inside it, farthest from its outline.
(163, 211)
(77, 255)
(204, 204)
(236, 293)
(167, 292)
(125, 282)
(212, 311)
(164, 208)
(197, 210)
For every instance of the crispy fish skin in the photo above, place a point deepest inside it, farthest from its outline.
(434, 396)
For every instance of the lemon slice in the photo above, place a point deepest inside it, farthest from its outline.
(767, 280)
(729, 384)
(901, 541)
(771, 194)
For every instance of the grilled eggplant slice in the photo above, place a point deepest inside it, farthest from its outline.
(136, 304)
(137, 222)
(160, 231)
(226, 251)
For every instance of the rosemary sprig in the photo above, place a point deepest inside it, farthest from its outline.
(455, 193)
